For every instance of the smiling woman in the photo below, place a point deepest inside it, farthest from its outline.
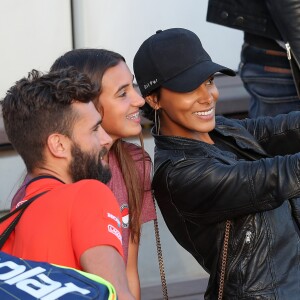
(225, 187)
(191, 114)
(120, 102)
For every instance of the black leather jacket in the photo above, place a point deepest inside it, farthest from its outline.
(274, 19)
(198, 187)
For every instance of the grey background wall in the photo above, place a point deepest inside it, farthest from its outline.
(122, 25)
(33, 33)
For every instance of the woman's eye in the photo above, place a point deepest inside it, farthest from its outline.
(210, 80)
(122, 94)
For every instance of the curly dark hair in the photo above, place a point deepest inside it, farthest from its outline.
(40, 105)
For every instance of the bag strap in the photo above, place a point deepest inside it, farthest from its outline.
(20, 210)
(160, 258)
(224, 260)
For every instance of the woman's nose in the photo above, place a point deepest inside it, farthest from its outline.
(137, 99)
(205, 95)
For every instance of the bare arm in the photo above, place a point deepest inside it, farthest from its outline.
(132, 269)
(106, 262)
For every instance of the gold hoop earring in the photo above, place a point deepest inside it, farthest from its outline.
(156, 121)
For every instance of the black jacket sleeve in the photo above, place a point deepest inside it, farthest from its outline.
(210, 190)
(278, 135)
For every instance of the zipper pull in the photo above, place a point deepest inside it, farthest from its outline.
(248, 237)
(288, 51)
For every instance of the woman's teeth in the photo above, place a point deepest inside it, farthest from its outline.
(133, 116)
(204, 113)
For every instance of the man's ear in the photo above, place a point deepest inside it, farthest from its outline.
(58, 145)
(152, 101)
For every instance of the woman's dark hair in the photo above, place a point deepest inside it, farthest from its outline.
(94, 63)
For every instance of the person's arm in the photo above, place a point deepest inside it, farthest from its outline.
(144, 169)
(97, 234)
(208, 190)
(278, 135)
(132, 269)
(106, 262)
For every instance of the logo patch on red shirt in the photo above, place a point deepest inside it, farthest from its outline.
(108, 215)
(115, 232)
(125, 215)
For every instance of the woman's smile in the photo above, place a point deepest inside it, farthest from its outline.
(134, 117)
(207, 114)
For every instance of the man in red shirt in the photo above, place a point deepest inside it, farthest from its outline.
(52, 123)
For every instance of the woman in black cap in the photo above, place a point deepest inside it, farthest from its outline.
(226, 188)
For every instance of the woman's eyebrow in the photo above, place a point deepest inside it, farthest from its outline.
(122, 87)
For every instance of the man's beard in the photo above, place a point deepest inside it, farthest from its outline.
(86, 165)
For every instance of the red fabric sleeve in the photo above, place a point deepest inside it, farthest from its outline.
(95, 218)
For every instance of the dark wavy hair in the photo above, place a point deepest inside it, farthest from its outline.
(40, 105)
(94, 63)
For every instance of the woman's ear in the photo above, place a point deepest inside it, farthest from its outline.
(58, 145)
(152, 101)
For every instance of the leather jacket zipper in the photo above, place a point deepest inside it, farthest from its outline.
(242, 251)
(288, 51)
(295, 66)
(248, 237)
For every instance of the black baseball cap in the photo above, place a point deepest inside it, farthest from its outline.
(174, 59)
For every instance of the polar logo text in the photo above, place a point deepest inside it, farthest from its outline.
(44, 288)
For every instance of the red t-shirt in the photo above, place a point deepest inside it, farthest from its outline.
(65, 222)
